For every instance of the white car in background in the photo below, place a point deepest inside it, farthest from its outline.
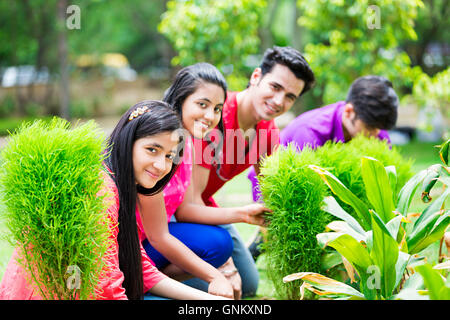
(24, 76)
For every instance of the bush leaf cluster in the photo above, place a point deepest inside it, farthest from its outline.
(50, 179)
(381, 251)
(295, 194)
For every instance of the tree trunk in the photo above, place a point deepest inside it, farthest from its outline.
(296, 31)
(265, 31)
(63, 65)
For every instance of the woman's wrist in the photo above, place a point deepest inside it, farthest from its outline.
(214, 275)
(229, 271)
(228, 268)
(241, 215)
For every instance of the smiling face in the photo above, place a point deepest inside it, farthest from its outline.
(202, 109)
(274, 93)
(153, 157)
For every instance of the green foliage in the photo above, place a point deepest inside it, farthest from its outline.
(438, 288)
(381, 253)
(10, 124)
(118, 26)
(294, 195)
(444, 151)
(293, 192)
(344, 161)
(432, 92)
(357, 39)
(29, 32)
(50, 180)
(219, 32)
(6, 106)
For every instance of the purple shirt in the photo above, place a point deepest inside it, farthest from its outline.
(314, 128)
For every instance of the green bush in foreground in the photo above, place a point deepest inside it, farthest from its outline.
(377, 245)
(50, 178)
(294, 193)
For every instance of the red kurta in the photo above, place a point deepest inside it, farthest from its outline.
(236, 155)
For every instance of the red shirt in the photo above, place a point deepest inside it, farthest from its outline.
(235, 155)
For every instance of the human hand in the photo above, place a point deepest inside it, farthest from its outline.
(254, 214)
(220, 286)
(231, 273)
(235, 279)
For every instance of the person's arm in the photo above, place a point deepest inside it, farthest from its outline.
(176, 290)
(256, 168)
(154, 220)
(193, 208)
(159, 284)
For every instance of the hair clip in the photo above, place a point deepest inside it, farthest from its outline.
(136, 113)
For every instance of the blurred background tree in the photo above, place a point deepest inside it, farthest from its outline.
(349, 39)
(224, 33)
(406, 42)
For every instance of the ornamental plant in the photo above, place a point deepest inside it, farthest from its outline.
(377, 245)
(344, 161)
(437, 287)
(50, 179)
(294, 193)
(427, 283)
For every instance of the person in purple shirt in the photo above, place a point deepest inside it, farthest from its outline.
(370, 108)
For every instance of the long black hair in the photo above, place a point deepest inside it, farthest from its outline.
(158, 118)
(186, 81)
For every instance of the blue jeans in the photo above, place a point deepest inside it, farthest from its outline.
(149, 296)
(211, 243)
(243, 261)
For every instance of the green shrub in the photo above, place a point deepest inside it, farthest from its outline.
(49, 183)
(344, 161)
(377, 245)
(7, 106)
(223, 33)
(81, 109)
(294, 194)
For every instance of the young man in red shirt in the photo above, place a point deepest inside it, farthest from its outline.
(248, 133)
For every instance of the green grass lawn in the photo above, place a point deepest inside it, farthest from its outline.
(238, 192)
(11, 123)
(423, 153)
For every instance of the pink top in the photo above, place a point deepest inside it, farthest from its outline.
(14, 285)
(176, 188)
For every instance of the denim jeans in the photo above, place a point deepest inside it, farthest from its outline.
(149, 296)
(211, 243)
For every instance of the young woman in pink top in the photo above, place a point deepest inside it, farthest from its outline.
(141, 152)
(183, 250)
